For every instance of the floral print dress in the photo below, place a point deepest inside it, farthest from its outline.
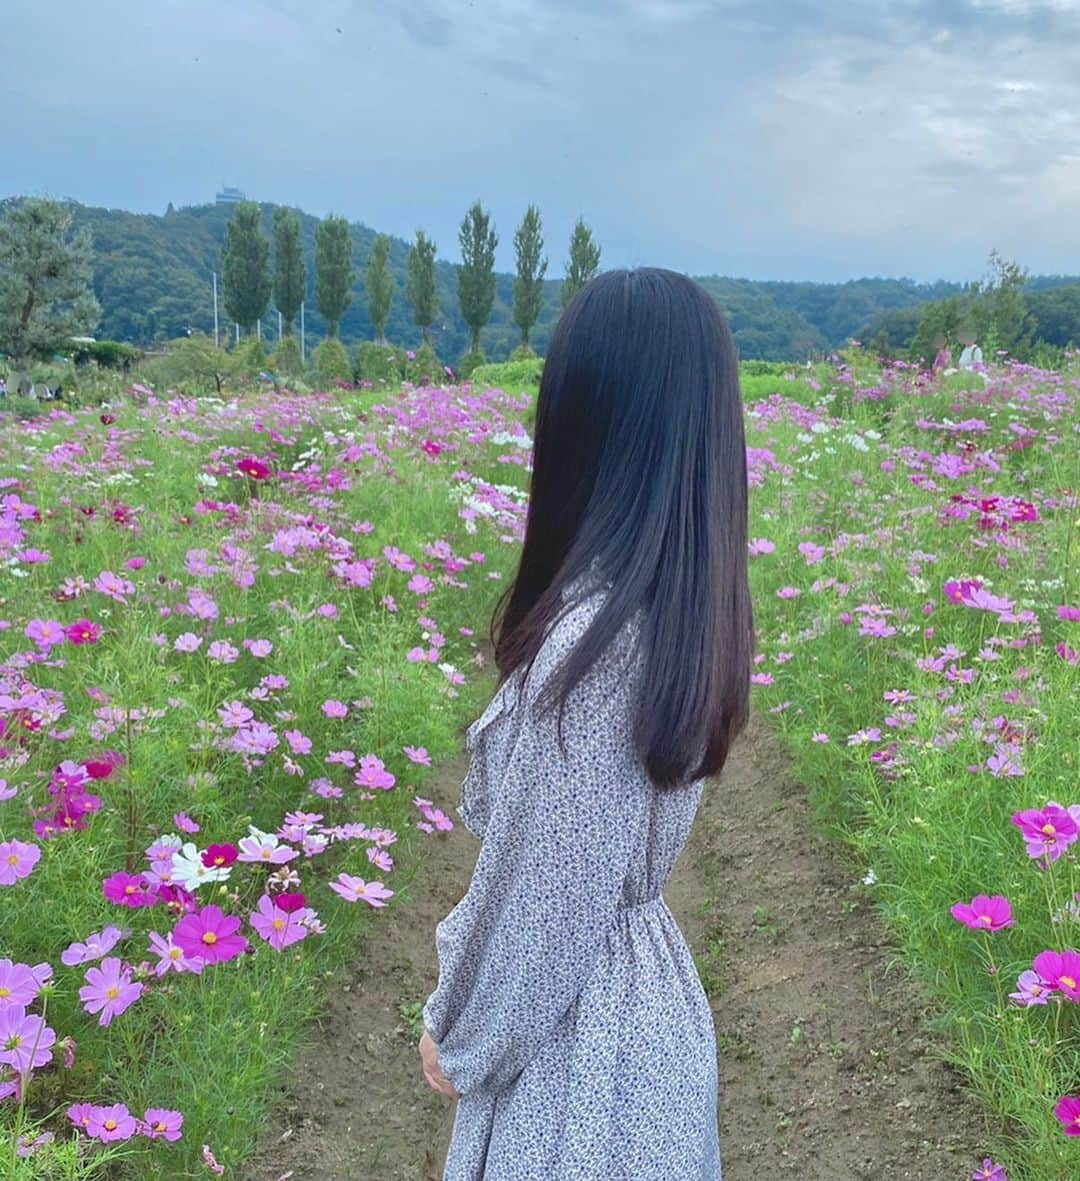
(569, 1013)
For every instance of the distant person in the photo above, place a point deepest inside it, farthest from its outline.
(972, 354)
(943, 356)
(24, 387)
(3, 386)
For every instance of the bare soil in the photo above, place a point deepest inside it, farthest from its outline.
(827, 1071)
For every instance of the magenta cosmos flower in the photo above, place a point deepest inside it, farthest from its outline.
(219, 856)
(354, 889)
(1068, 1111)
(126, 889)
(109, 990)
(1060, 970)
(1048, 830)
(82, 631)
(984, 913)
(279, 927)
(253, 467)
(111, 1123)
(209, 935)
(162, 1124)
(17, 860)
(25, 1040)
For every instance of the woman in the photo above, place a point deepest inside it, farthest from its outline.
(569, 1019)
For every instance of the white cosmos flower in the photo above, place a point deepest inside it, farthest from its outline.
(188, 870)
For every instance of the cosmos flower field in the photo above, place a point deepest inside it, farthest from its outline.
(236, 635)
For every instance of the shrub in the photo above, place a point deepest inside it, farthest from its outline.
(423, 367)
(522, 353)
(380, 364)
(249, 356)
(286, 359)
(332, 361)
(469, 363)
(511, 376)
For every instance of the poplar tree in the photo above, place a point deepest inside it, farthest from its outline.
(584, 261)
(380, 286)
(420, 284)
(476, 275)
(333, 270)
(290, 277)
(529, 284)
(245, 267)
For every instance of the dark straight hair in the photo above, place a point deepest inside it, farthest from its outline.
(639, 476)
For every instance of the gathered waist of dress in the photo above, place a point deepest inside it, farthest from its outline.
(650, 904)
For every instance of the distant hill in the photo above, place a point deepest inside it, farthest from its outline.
(152, 276)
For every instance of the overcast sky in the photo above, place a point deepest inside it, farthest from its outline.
(767, 139)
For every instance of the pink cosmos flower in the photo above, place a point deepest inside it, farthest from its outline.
(25, 1040)
(373, 773)
(187, 642)
(298, 742)
(259, 648)
(162, 1124)
(989, 1171)
(79, 1114)
(223, 652)
(290, 903)
(335, 709)
(1047, 831)
(170, 957)
(210, 935)
(17, 860)
(96, 945)
(184, 823)
(1060, 970)
(1068, 1111)
(758, 545)
(7, 793)
(20, 984)
(417, 754)
(211, 1163)
(278, 927)
(984, 913)
(265, 849)
(109, 990)
(108, 583)
(1031, 989)
(234, 714)
(354, 889)
(45, 633)
(127, 889)
(1072, 614)
(110, 1123)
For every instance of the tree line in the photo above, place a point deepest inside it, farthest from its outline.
(254, 275)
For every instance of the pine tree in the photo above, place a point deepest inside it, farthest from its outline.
(380, 286)
(333, 270)
(529, 284)
(476, 275)
(290, 277)
(584, 261)
(45, 271)
(245, 267)
(420, 284)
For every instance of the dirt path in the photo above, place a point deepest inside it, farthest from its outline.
(824, 1071)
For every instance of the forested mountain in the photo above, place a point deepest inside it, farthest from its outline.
(152, 276)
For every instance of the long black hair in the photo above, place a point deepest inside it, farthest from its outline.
(639, 472)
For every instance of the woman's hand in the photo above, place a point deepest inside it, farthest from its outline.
(436, 1080)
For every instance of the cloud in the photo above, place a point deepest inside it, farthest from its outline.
(771, 138)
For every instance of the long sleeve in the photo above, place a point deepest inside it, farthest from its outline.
(514, 953)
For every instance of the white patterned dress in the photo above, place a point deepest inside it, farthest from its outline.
(569, 1013)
